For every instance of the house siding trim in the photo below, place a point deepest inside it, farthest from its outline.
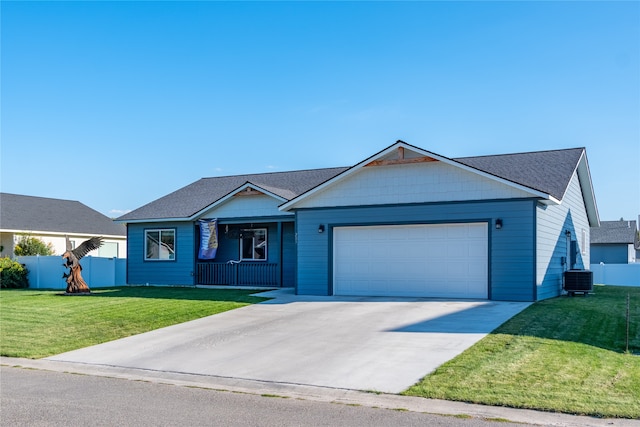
(394, 205)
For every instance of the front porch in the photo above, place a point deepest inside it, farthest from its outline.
(261, 254)
(238, 274)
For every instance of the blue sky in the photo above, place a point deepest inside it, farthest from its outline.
(116, 104)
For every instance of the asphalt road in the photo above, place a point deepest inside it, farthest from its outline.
(44, 398)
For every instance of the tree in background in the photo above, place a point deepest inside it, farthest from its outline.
(28, 245)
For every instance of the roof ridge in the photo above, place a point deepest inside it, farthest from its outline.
(39, 197)
(275, 172)
(520, 153)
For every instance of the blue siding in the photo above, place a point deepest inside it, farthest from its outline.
(180, 271)
(175, 272)
(289, 257)
(511, 254)
(552, 224)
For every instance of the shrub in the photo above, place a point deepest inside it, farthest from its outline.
(28, 246)
(13, 274)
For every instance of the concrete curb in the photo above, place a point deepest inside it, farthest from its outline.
(320, 394)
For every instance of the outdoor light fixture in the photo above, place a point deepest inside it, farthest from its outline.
(567, 233)
(321, 228)
(498, 223)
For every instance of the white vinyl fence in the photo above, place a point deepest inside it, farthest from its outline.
(45, 272)
(616, 274)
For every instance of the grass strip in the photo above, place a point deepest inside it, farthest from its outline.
(563, 355)
(36, 323)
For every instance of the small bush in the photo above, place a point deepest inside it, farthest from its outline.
(28, 246)
(13, 274)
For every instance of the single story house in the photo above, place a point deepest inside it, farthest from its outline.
(402, 222)
(51, 220)
(614, 242)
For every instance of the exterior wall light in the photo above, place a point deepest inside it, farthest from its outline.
(498, 223)
(321, 228)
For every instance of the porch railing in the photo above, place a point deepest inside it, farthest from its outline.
(237, 274)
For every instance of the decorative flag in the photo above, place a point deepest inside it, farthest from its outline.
(208, 238)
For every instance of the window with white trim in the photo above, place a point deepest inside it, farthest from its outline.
(253, 244)
(584, 242)
(160, 244)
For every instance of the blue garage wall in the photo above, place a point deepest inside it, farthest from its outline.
(174, 272)
(511, 252)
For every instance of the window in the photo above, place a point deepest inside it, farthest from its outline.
(159, 245)
(253, 244)
(108, 250)
(584, 242)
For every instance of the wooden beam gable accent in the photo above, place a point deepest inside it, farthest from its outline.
(401, 160)
(249, 192)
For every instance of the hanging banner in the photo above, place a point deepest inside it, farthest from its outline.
(208, 238)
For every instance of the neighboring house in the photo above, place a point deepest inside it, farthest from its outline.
(614, 242)
(403, 222)
(52, 219)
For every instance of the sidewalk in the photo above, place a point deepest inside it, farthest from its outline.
(321, 394)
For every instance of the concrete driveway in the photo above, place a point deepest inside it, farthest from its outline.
(374, 344)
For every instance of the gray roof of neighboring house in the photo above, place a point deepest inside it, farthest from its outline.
(29, 213)
(612, 232)
(546, 171)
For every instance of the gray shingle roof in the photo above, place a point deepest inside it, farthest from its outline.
(546, 171)
(611, 232)
(29, 213)
(195, 197)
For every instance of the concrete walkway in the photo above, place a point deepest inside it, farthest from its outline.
(371, 344)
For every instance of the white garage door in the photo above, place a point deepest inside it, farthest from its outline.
(435, 260)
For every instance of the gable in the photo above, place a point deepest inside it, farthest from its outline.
(203, 195)
(419, 182)
(246, 204)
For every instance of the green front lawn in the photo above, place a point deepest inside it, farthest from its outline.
(564, 355)
(36, 323)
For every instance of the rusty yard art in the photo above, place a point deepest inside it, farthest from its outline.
(75, 282)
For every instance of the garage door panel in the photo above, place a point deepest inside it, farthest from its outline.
(443, 260)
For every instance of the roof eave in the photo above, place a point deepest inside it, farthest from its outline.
(588, 195)
(149, 220)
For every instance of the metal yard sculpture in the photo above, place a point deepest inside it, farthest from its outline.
(75, 282)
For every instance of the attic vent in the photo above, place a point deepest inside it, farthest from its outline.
(248, 192)
(401, 159)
